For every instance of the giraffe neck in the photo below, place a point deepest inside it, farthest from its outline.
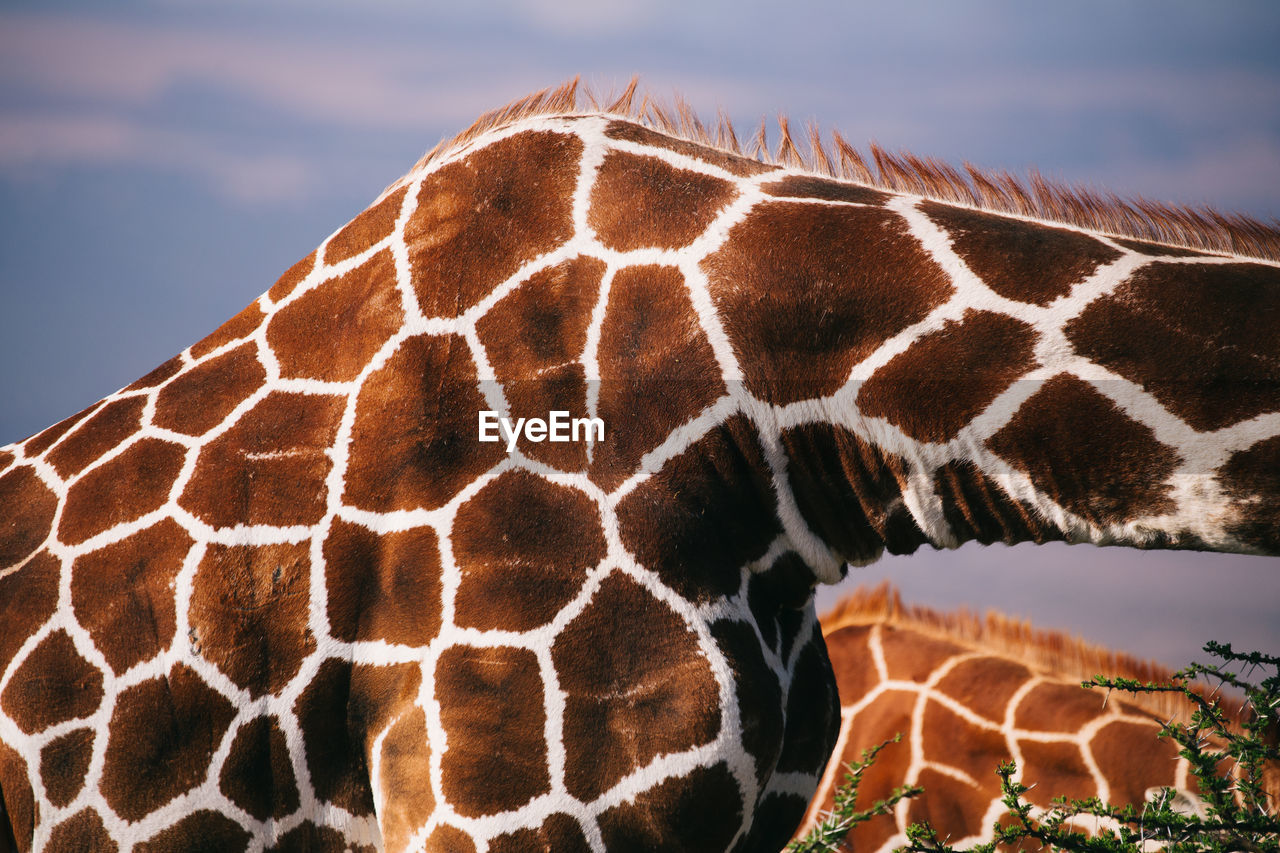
(922, 372)
(940, 374)
(898, 370)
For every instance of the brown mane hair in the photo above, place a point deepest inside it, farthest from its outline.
(996, 191)
(1053, 653)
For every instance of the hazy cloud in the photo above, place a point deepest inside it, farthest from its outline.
(32, 143)
(132, 64)
(255, 93)
(1245, 169)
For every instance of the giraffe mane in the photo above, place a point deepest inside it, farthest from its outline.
(1055, 653)
(990, 190)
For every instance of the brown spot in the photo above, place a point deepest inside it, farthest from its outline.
(492, 712)
(19, 823)
(850, 492)
(122, 594)
(372, 226)
(6, 459)
(947, 378)
(1025, 261)
(759, 695)
(27, 599)
(334, 748)
(448, 839)
(109, 426)
(523, 546)
(63, 764)
(415, 442)
(543, 322)
(1158, 249)
(382, 586)
(976, 508)
(955, 808)
(382, 694)
(54, 684)
(480, 219)
(163, 733)
(1201, 338)
(406, 781)
(984, 685)
(1054, 770)
(774, 821)
(789, 581)
(813, 711)
(292, 278)
(808, 186)
(43, 440)
(201, 832)
(333, 330)
(1057, 707)
(200, 399)
(249, 611)
(340, 713)
(535, 337)
(258, 773)
(1131, 758)
(1083, 452)
(270, 467)
(911, 656)
(28, 508)
(708, 512)
(734, 163)
(158, 375)
(636, 687)
(850, 649)
(871, 834)
(239, 326)
(699, 811)
(791, 625)
(885, 717)
(307, 837)
(807, 291)
(658, 369)
(82, 831)
(128, 487)
(777, 597)
(1252, 478)
(559, 833)
(639, 202)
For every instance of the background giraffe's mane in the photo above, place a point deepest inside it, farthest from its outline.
(1053, 652)
(996, 191)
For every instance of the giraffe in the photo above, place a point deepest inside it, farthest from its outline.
(968, 694)
(284, 592)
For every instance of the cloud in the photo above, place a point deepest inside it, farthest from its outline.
(31, 143)
(1245, 170)
(588, 17)
(244, 98)
(353, 84)
(85, 92)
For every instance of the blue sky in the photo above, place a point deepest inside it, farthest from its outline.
(162, 162)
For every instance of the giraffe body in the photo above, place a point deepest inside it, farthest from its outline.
(278, 595)
(969, 694)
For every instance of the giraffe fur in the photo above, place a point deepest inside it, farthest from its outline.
(277, 595)
(967, 693)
